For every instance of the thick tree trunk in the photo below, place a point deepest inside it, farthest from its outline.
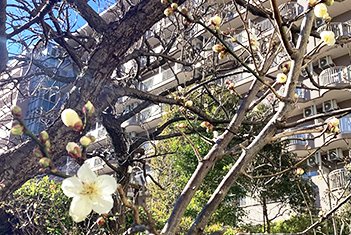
(19, 164)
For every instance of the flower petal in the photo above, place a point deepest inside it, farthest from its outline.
(105, 185)
(80, 208)
(86, 175)
(102, 204)
(72, 187)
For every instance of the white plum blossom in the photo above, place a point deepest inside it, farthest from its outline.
(254, 42)
(89, 192)
(320, 10)
(328, 37)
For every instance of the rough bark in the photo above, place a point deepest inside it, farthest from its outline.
(19, 164)
(3, 49)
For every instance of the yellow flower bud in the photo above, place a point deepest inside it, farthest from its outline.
(88, 108)
(218, 48)
(71, 119)
(73, 150)
(168, 11)
(216, 20)
(189, 103)
(85, 141)
(174, 6)
(330, 2)
(296, 96)
(281, 78)
(45, 162)
(17, 129)
(16, 110)
(299, 171)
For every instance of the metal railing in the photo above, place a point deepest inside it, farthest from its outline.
(339, 28)
(338, 179)
(334, 75)
(345, 124)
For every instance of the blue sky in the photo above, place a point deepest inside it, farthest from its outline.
(98, 6)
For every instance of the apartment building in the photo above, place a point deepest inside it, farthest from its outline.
(331, 69)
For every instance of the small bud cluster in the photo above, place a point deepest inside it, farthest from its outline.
(221, 50)
(209, 127)
(44, 138)
(17, 128)
(230, 86)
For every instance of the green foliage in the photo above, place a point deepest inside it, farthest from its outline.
(40, 207)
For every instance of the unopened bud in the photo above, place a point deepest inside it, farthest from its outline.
(100, 221)
(43, 136)
(47, 144)
(17, 129)
(168, 11)
(188, 104)
(38, 153)
(164, 2)
(71, 119)
(299, 171)
(174, 6)
(89, 109)
(185, 10)
(45, 162)
(329, 2)
(73, 150)
(205, 124)
(218, 48)
(16, 111)
(216, 20)
(181, 125)
(222, 55)
(92, 138)
(85, 141)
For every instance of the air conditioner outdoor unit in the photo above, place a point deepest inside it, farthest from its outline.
(329, 106)
(319, 22)
(309, 111)
(335, 154)
(309, 68)
(314, 160)
(325, 62)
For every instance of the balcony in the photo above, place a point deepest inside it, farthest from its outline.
(290, 10)
(345, 124)
(298, 143)
(335, 75)
(338, 179)
(340, 29)
(164, 77)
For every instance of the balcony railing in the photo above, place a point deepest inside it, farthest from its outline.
(298, 139)
(290, 10)
(338, 179)
(335, 75)
(345, 124)
(340, 29)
